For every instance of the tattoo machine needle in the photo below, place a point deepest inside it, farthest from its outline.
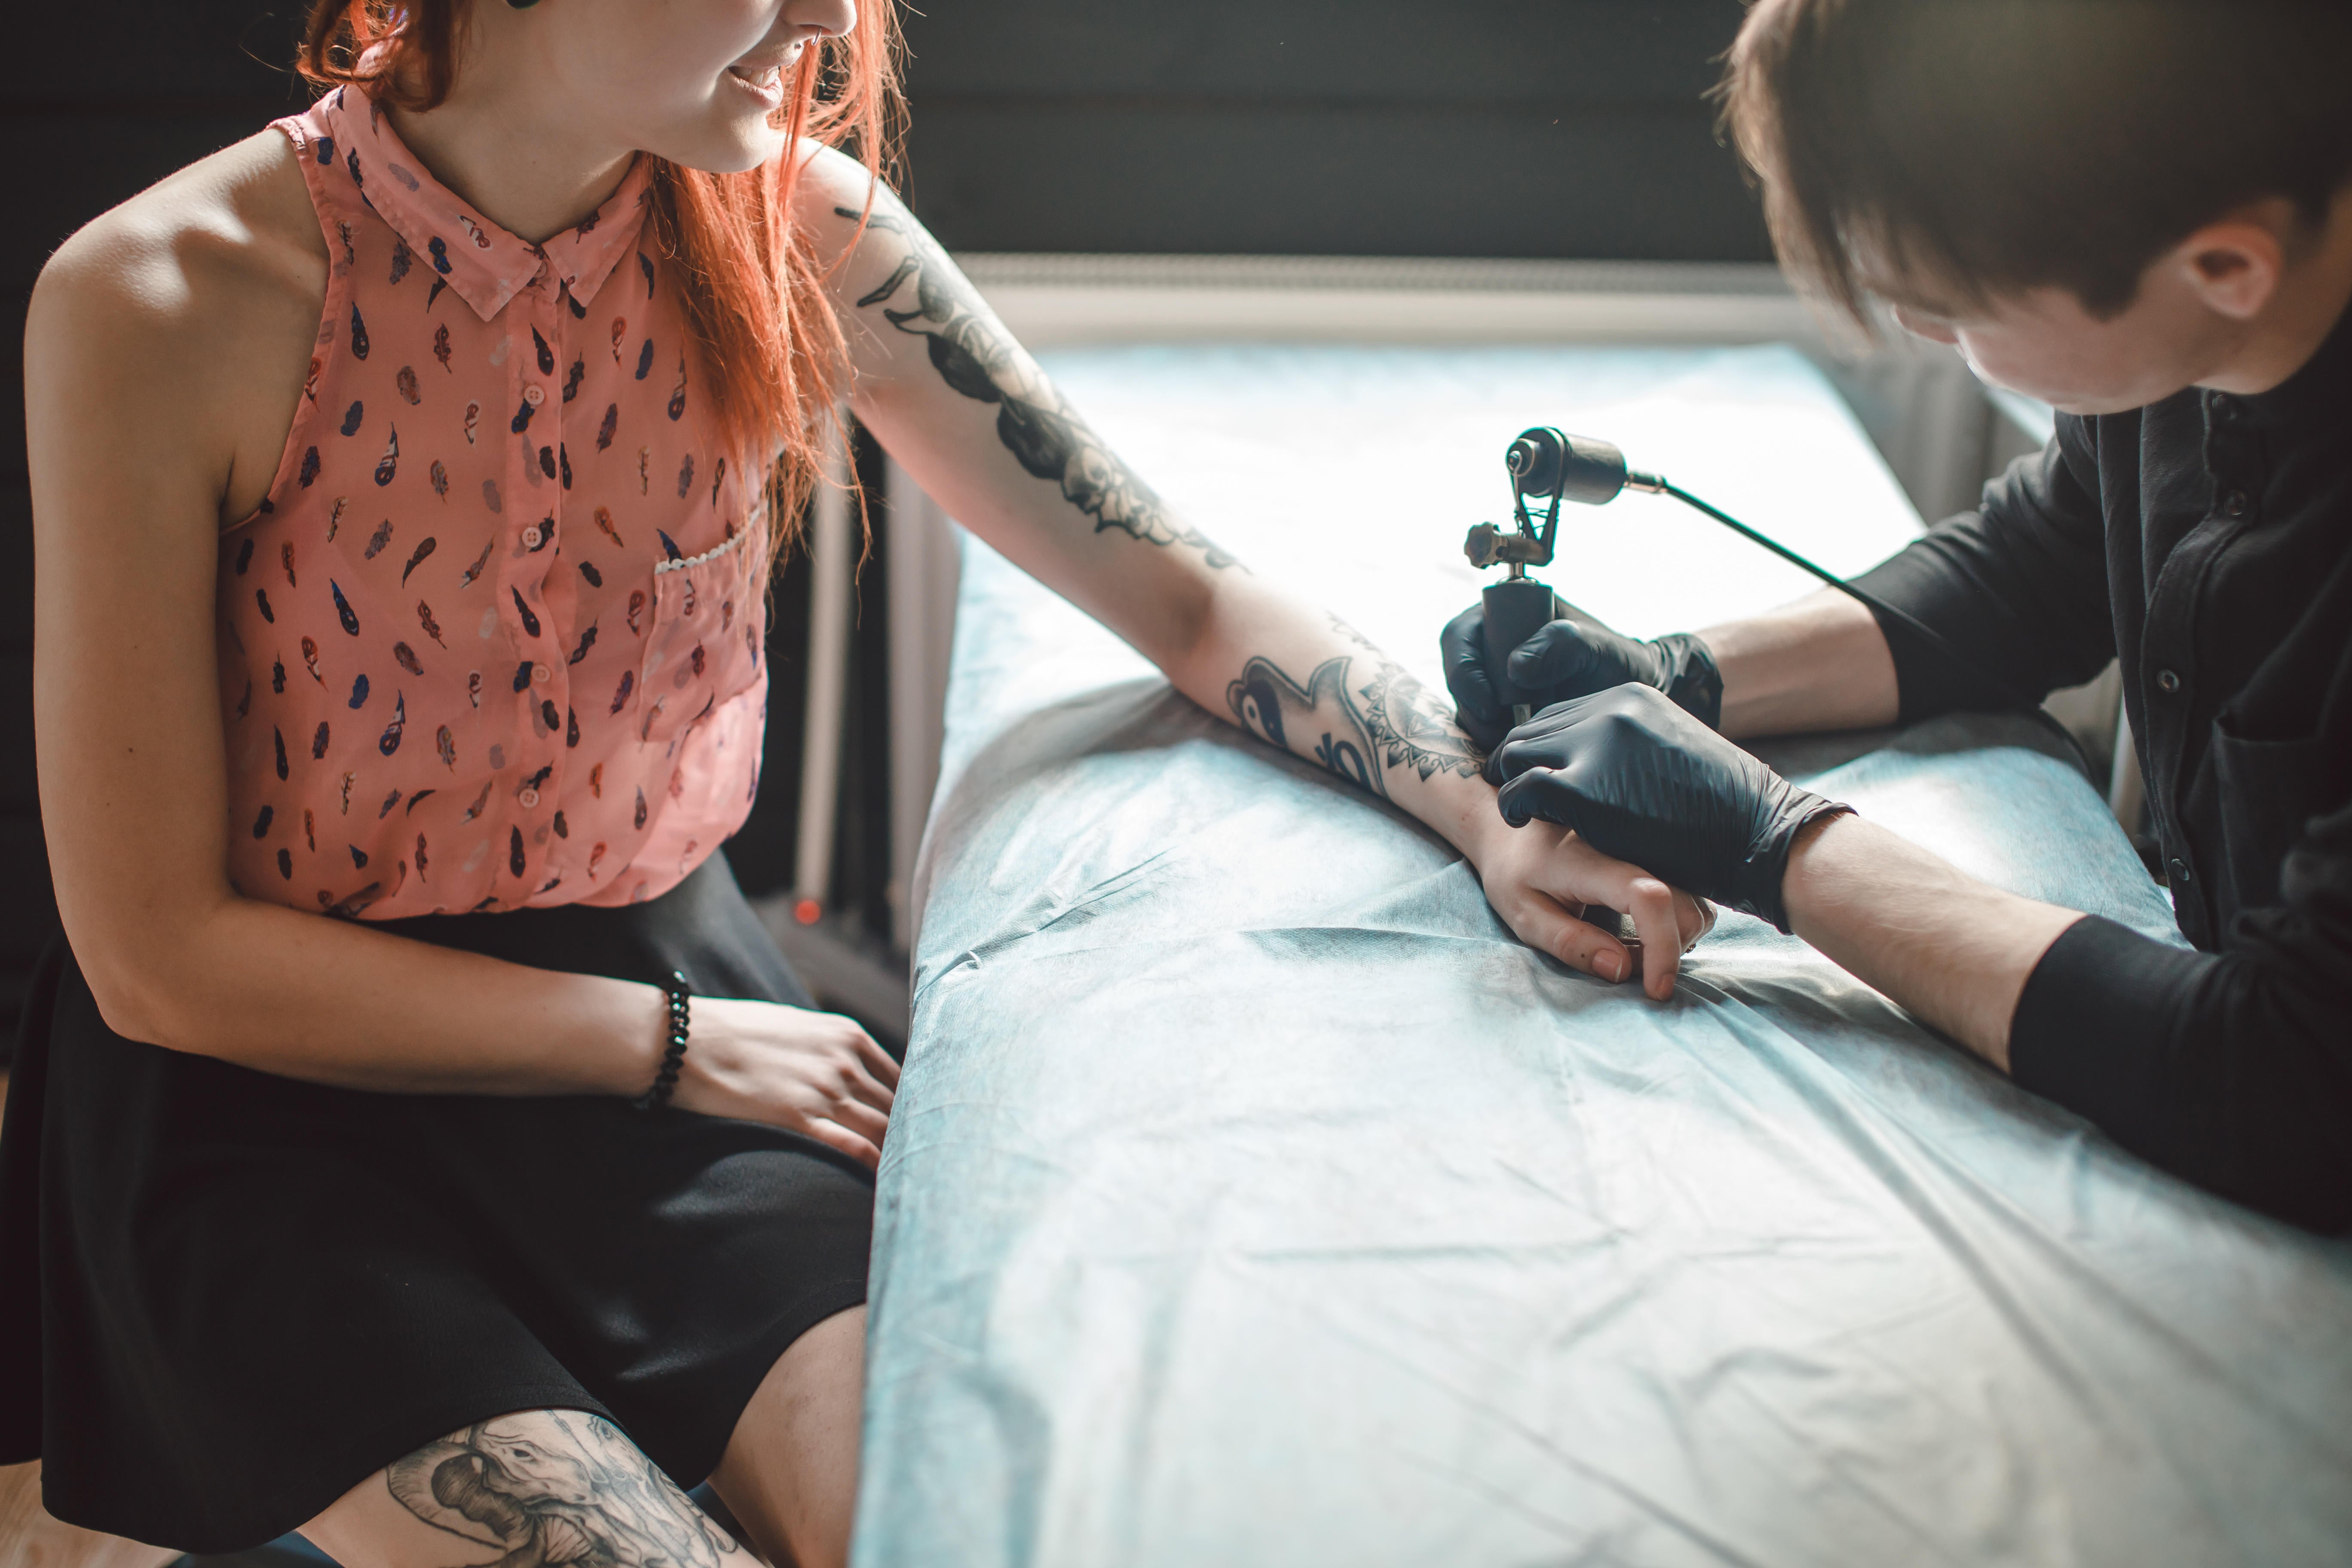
(1547, 465)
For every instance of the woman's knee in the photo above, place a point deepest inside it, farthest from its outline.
(529, 1490)
(789, 1471)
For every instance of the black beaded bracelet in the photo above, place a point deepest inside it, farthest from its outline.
(666, 1081)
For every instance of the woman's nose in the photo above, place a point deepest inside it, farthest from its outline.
(833, 18)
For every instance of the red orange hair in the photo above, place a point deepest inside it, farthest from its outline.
(770, 343)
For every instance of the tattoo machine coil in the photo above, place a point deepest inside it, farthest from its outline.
(1546, 463)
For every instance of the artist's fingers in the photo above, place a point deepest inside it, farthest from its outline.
(1463, 649)
(1534, 794)
(1545, 925)
(1546, 739)
(1556, 655)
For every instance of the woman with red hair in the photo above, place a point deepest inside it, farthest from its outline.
(420, 1144)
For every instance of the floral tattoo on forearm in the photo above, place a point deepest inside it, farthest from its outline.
(975, 356)
(1388, 721)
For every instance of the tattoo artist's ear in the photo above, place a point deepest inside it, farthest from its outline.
(2233, 265)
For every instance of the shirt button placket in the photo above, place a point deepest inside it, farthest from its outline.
(551, 679)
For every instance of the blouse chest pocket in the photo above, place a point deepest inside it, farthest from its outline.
(703, 644)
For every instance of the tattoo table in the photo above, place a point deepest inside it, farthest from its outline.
(1253, 1196)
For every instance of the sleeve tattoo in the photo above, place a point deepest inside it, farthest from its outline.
(1388, 721)
(557, 1488)
(973, 354)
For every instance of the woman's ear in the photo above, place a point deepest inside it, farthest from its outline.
(2233, 264)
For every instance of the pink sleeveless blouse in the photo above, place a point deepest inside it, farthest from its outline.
(493, 640)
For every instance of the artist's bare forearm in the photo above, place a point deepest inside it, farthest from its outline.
(1819, 664)
(1907, 923)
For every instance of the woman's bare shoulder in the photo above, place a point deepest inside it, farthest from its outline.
(831, 192)
(227, 233)
(194, 306)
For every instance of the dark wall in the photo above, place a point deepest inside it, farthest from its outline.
(1518, 128)
(85, 128)
(1360, 127)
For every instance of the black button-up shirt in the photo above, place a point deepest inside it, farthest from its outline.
(2207, 541)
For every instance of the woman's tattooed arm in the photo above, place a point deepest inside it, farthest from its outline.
(927, 298)
(1355, 711)
(1360, 725)
(1235, 644)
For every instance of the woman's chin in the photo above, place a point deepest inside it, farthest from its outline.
(733, 144)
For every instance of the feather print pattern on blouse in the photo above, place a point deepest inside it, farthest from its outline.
(499, 367)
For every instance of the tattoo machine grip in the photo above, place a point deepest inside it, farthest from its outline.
(1516, 609)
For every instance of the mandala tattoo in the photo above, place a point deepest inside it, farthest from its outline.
(1409, 725)
(1412, 730)
(556, 1488)
(1036, 422)
(1387, 723)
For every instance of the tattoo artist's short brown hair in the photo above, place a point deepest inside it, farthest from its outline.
(1997, 146)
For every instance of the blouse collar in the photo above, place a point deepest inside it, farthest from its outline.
(483, 264)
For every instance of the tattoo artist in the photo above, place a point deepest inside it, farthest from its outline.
(2150, 227)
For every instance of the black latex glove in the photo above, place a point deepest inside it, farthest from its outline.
(1640, 779)
(1574, 658)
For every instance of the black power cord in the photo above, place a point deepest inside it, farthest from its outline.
(1547, 464)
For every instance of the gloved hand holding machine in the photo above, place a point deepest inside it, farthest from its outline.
(1698, 811)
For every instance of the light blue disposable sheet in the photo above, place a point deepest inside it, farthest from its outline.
(1253, 1197)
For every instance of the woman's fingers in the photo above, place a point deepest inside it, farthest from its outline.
(1543, 924)
(1695, 915)
(1666, 921)
(863, 1119)
(862, 1090)
(859, 1081)
(1651, 905)
(878, 1062)
(840, 1139)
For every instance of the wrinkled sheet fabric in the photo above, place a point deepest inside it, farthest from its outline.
(1253, 1197)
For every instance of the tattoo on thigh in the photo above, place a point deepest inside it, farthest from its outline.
(1034, 421)
(1389, 721)
(556, 1488)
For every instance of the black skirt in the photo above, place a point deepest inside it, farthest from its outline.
(227, 1298)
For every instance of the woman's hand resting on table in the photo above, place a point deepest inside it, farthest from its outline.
(1540, 879)
(817, 1074)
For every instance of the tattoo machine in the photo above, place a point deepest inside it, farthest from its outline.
(1544, 464)
(1547, 465)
